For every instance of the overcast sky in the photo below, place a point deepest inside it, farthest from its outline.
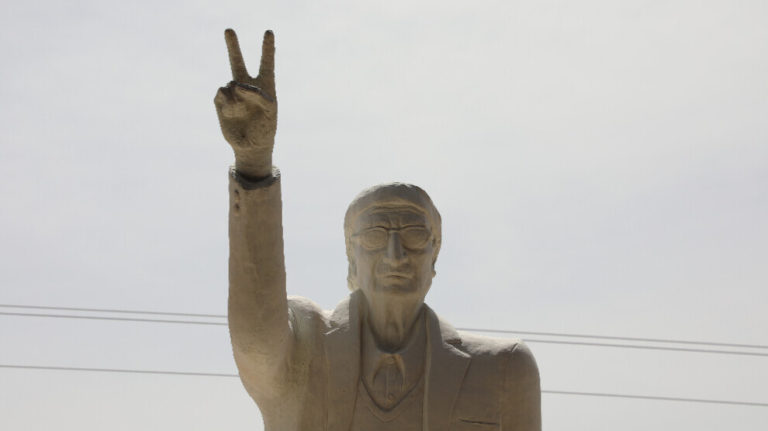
(601, 167)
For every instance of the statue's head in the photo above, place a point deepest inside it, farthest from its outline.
(393, 234)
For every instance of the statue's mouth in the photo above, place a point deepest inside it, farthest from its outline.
(396, 275)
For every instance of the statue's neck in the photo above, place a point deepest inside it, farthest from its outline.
(392, 321)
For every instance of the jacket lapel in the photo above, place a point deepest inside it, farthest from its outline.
(342, 353)
(446, 368)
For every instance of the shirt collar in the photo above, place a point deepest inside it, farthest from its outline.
(409, 360)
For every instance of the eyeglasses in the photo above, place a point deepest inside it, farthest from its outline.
(411, 237)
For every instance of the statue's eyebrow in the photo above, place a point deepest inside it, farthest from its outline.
(424, 225)
(375, 220)
(383, 222)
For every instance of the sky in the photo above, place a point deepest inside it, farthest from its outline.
(600, 167)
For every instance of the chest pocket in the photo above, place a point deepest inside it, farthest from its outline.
(475, 425)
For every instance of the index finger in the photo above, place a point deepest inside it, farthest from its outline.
(236, 62)
(267, 66)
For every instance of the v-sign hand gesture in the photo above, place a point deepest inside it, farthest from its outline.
(247, 109)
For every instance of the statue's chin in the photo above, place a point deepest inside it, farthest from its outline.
(394, 285)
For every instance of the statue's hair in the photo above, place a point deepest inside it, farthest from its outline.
(392, 195)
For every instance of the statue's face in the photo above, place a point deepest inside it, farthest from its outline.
(393, 251)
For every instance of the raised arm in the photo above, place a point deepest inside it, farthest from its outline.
(258, 310)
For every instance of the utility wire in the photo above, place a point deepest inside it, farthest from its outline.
(637, 346)
(117, 370)
(112, 310)
(499, 331)
(200, 374)
(657, 398)
(529, 340)
(607, 337)
(125, 319)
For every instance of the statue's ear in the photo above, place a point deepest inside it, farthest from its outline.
(351, 276)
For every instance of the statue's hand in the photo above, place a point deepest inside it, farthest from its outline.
(247, 109)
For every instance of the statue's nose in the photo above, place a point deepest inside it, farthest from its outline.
(395, 251)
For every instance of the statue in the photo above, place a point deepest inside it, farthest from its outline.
(382, 360)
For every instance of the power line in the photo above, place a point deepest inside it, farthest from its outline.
(112, 310)
(636, 346)
(499, 331)
(125, 319)
(657, 398)
(554, 392)
(529, 340)
(117, 370)
(608, 337)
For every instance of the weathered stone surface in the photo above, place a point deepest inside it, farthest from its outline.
(382, 360)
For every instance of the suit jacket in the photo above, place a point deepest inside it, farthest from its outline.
(302, 364)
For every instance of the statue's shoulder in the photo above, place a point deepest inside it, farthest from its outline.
(474, 345)
(511, 350)
(306, 313)
(478, 345)
(302, 305)
(511, 355)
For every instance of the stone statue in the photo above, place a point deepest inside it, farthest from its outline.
(382, 360)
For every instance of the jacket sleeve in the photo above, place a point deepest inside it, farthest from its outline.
(521, 403)
(258, 311)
